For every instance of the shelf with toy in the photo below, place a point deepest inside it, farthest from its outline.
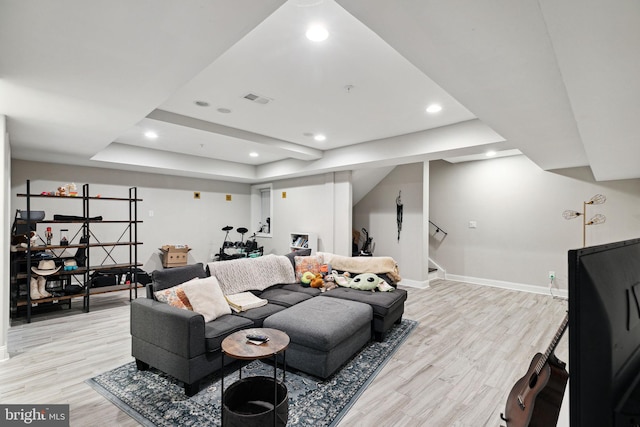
(303, 241)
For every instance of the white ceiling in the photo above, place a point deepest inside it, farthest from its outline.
(80, 83)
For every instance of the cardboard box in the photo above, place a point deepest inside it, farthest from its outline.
(174, 255)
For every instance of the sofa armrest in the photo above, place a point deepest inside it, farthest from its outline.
(173, 329)
(168, 277)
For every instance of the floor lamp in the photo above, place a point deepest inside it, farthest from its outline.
(598, 199)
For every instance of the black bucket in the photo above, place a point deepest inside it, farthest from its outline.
(249, 403)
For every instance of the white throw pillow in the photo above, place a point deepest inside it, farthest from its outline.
(206, 297)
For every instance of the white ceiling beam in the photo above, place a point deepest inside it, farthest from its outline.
(295, 151)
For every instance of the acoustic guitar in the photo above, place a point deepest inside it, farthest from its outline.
(535, 399)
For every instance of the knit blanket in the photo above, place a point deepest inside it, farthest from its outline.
(246, 274)
(358, 265)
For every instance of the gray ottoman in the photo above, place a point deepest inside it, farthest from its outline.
(324, 333)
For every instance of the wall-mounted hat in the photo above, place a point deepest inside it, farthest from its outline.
(45, 267)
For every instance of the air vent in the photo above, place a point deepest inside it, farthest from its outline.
(257, 98)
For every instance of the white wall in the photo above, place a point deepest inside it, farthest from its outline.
(5, 160)
(377, 213)
(177, 218)
(521, 234)
(312, 204)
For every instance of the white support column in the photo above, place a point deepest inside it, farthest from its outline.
(342, 213)
(425, 221)
(5, 233)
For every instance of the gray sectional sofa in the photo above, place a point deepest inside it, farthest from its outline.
(180, 343)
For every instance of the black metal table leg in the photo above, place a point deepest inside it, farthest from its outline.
(222, 390)
(275, 389)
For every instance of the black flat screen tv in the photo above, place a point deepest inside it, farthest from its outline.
(604, 335)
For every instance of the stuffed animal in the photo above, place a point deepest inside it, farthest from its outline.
(317, 281)
(369, 282)
(341, 279)
(306, 278)
(328, 285)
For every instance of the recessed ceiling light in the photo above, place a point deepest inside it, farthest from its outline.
(201, 103)
(490, 153)
(317, 33)
(253, 154)
(224, 110)
(151, 134)
(434, 108)
(319, 137)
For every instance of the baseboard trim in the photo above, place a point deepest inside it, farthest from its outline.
(419, 284)
(438, 274)
(4, 353)
(559, 293)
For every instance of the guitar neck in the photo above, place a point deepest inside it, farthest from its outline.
(553, 345)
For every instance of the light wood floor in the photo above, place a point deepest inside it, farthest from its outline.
(456, 368)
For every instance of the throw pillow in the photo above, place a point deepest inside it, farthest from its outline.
(299, 252)
(170, 277)
(174, 296)
(312, 263)
(206, 297)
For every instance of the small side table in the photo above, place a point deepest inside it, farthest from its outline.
(237, 347)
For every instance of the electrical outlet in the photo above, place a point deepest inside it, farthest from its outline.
(552, 275)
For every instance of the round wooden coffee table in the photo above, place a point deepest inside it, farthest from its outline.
(238, 346)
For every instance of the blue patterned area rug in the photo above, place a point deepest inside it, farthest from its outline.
(155, 399)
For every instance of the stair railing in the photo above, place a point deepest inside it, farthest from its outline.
(438, 229)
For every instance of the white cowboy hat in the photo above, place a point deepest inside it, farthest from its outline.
(45, 267)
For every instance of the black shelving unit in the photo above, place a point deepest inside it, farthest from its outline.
(25, 256)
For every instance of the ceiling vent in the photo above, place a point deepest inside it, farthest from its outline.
(257, 98)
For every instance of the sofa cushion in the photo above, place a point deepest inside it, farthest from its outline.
(169, 277)
(206, 297)
(297, 287)
(257, 315)
(381, 302)
(216, 331)
(284, 296)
